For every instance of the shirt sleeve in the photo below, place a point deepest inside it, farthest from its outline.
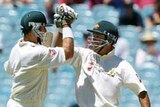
(131, 79)
(7, 68)
(79, 58)
(52, 57)
(76, 60)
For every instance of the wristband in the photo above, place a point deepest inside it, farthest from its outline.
(67, 32)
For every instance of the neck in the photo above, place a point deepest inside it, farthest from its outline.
(106, 50)
(30, 37)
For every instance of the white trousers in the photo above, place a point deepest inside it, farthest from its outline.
(13, 103)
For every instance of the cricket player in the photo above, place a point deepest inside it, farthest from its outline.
(29, 60)
(100, 74)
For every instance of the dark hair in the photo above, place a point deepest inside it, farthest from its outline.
(86, 35)
(31, 17)
(26, 31)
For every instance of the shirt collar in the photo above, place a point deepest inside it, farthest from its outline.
(22, 43)
(109, 55)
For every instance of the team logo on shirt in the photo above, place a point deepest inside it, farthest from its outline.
(90, 66)
(52, 52)
(112, 72)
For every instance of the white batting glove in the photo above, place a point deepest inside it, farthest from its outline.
(64, 15)
(58, 20)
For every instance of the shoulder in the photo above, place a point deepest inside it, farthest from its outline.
(120, 63)
(115, 60)
(53, 51)
(124, 63)
(82, 50)
(41, 51)
(125, 68)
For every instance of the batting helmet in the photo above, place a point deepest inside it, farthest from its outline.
(108, 29)
(30, 18)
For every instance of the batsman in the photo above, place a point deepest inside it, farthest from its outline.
(31, 57)
(100, 74)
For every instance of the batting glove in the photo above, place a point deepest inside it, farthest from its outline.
(64, 15)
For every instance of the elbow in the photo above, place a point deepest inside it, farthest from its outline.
(144, 99)
(143, 94)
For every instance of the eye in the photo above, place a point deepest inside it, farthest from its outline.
(42, 28)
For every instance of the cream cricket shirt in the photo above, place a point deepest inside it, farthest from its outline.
(99, 78)
(28, 65)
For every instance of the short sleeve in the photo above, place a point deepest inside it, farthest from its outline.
(131, 79)
(7, 67)
(52, 57)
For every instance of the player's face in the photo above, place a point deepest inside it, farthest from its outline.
(42, 29)
(98, 43)
(99, 36)
(95, 41)
(38, 32)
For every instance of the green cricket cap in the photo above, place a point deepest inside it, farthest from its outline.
(106, 28)
(33, 16)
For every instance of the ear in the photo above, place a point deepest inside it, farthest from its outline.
(112, 43)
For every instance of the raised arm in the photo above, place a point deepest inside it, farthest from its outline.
(67, 42)
(58, 41)
(63, 19)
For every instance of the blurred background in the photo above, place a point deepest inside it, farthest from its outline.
(139, 43)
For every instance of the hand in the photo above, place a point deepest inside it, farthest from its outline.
(58, 20)
(64, 15)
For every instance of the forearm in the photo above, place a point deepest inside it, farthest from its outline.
(58, 41)
(144, 99)
(63, 18)
(68, 46)
(68, 43)
(7, 68)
